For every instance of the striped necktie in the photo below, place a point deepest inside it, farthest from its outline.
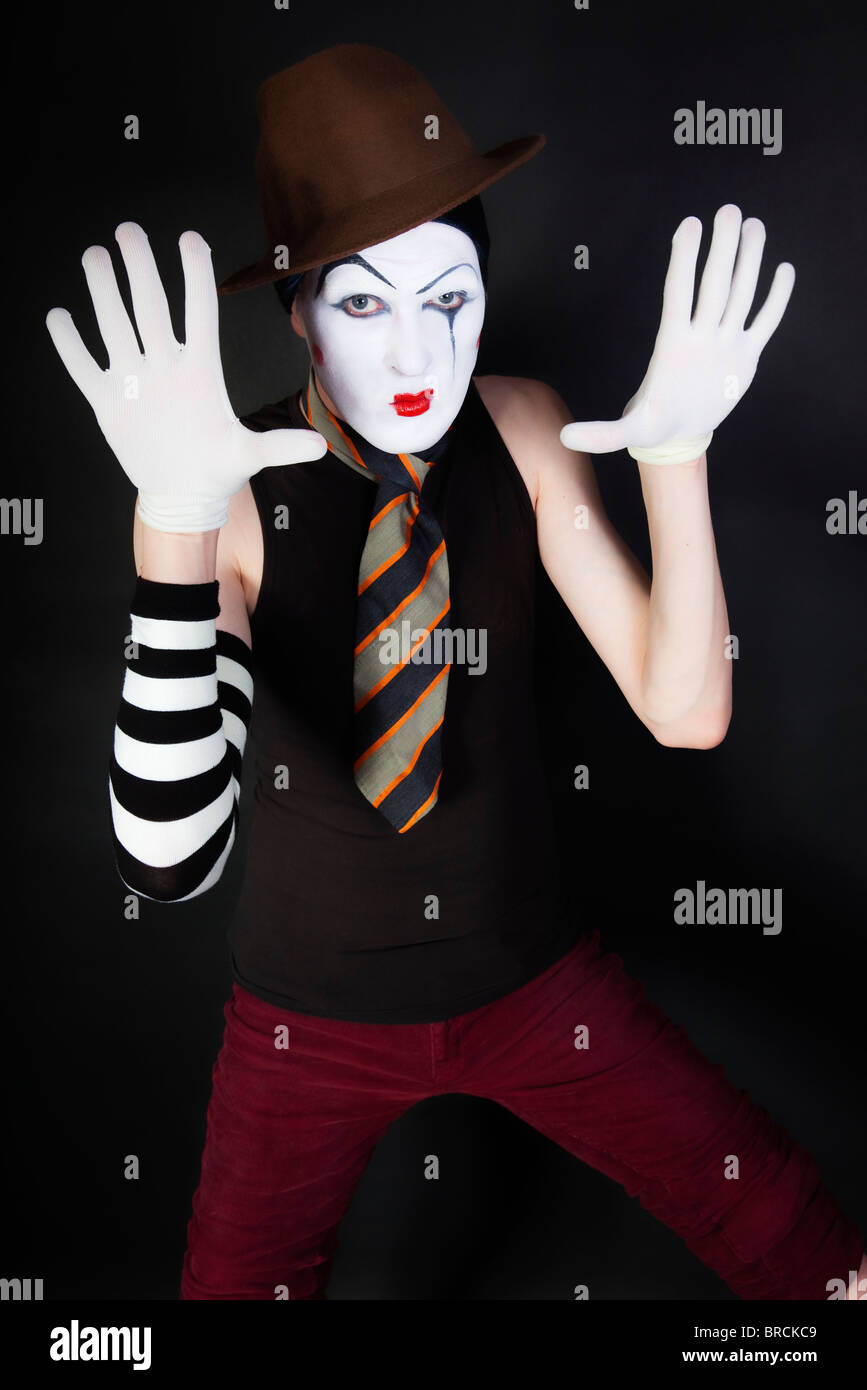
(402, 602)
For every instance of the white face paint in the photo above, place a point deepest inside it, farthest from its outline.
(404, 323)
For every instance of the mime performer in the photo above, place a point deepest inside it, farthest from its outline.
(361, 554)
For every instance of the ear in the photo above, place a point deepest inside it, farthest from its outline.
(296, 320)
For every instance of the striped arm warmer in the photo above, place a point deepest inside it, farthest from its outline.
(175, 772)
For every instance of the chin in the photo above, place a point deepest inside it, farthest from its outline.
(411, 436)
(398, 441)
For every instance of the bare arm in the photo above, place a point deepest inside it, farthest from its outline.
(662, 641)
(665, 640)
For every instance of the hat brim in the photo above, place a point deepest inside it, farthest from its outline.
(388, 214)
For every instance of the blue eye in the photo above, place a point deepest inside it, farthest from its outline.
(367, 306)
(454, 300)
(360, 303)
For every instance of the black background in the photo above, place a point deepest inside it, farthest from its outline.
(111, 1027)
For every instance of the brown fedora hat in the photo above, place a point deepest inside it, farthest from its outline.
(344, 163)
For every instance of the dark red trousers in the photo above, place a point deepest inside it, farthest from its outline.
(291, 1129)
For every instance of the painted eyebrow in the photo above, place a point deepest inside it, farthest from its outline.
(359, 260)
(446, 272)
(349, 260)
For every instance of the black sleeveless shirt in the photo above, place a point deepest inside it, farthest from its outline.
(339, 914)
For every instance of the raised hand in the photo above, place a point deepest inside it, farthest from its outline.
(701, 366)
(165, 412)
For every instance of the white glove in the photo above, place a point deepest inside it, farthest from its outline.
(700, 367)
(166, 414)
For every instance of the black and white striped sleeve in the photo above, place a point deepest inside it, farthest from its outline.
(175, 771)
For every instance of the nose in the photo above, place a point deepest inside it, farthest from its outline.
(408, 353)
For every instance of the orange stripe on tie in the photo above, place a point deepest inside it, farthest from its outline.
(401, 550)
(395, 502)
(401, 665)
(423, 807)
(349, 444)
(404, 458)
(408, 769)
(410, 596)
(403, 718)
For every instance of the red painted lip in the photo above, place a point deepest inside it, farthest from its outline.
(408, 404)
